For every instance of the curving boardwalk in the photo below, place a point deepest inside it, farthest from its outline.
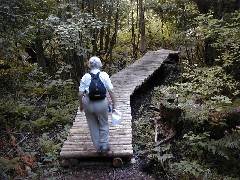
(125, 82)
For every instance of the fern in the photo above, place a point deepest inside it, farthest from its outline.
(226, 146)
(188, 168)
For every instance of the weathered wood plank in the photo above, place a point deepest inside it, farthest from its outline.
(111, 136)
(81, 139)
(86, 131)
(126, 142)
(111, 128)
(91, 148)
(83, 154)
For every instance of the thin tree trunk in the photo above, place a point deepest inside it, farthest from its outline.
(81, 58)
(107, 36)
(142, 46)
(101, 40)
(114, 37)
(133, 39)
(101, 35)
(78, 62)
(94, 41)
(41, 60)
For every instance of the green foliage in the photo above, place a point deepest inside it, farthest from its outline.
(159, 33)
(143, 140)
(17, 113)
(228, 43)
(206, 40)
(167, 23)
(203, 149)
(49, 148)
(200, 92)
(180, 12)
(9, 165)
(32, 100)
(204, 91)
(225, 147)
(35, 102)
(43, 100)
(17, 22)
(161, 154)
(58, 95)
(76, 29)
(187, 169)
(52, 118)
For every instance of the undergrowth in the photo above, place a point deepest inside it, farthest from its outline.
(36, 110)
(195, 152)
(207, 142)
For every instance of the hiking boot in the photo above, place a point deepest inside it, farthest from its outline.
(100, 149)
(106, 149)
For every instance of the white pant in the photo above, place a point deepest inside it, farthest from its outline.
(97, 118)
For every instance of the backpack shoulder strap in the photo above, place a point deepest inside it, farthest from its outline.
(98, 73)
(94, 75)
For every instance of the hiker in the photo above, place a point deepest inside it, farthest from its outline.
(96, 109)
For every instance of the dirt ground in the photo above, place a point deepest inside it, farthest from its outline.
(131, 170)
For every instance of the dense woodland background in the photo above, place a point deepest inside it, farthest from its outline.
(45, 46)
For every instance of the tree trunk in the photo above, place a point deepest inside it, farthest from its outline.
(78, 62)
(94, 41)
(41, 60)
(133, 39)
(142, 47)
(101, 35)
(107, 36)
(101, 38)
(114, 36)
(78, 66)
(203, 6)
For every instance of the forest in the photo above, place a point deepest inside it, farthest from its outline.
(45, 47)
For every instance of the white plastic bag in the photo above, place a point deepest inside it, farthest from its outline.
(116, 117)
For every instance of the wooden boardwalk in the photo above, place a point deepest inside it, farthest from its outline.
(79, 144)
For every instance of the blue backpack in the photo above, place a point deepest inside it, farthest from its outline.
(97, 90)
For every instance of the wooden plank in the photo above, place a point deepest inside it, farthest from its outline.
(85, 145)
(77, 154)
(111, 128)
(91, 148)
(124, 121)
(114, 131)
(111, 134)
(129, 141)
(77, 139)
(111, 138)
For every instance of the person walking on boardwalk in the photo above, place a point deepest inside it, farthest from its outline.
(93, 100)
